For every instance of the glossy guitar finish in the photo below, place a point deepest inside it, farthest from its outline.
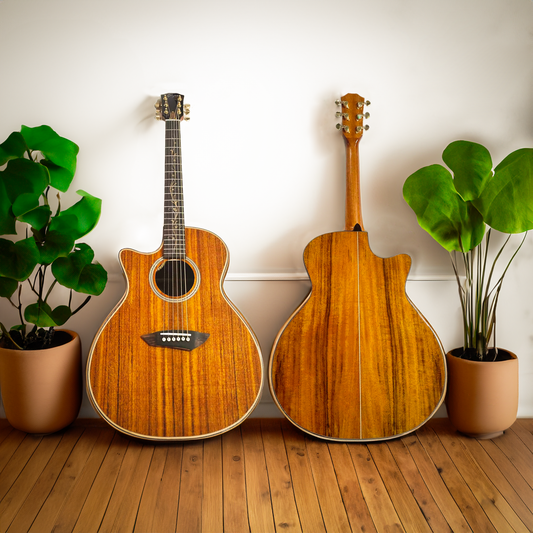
(356, 361)
(175, 359)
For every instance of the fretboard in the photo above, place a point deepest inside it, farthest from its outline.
(174, 221)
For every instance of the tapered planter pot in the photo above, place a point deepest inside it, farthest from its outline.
(482, 396)
(42, 389)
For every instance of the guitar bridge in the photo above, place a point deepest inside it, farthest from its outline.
(179, 340)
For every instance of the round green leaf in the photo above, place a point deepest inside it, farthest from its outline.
(12, 148)
(506, 202)
(440, 210)
(93, 279)
(39, 314)
(57, 244)
(86, 213)
(67, 270)
(7, 220)
(18, 259)
(471, 165)
(7, 287)
(57, 150)
(24, 176)
(61, 314)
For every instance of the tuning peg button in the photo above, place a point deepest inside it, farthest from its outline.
(342, 103)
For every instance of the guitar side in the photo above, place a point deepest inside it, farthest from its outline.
(163, 393)
(356, 361)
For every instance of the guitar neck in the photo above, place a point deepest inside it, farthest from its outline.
(352, 129)
(353, 213)
(174, 213)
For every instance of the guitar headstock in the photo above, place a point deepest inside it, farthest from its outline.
(352, 115)
(171, 107)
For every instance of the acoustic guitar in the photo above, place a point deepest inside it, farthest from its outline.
(356, 361)
(175, 359)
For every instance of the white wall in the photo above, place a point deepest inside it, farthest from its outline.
(263, 162)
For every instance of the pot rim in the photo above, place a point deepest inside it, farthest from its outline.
(512, 354)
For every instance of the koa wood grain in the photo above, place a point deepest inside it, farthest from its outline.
(356, 361)
(175, 359)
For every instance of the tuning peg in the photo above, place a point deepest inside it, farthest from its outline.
(359, 129)
(343, 127)
(186, 118)
(359, 116)
(361, 104)
(338, 114)
(342, 103)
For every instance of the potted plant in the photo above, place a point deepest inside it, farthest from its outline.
(466, 211)
(40, 367)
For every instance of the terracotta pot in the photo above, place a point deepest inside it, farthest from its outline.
(482, 396)
(42, 389)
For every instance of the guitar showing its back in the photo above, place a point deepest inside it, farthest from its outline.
(175, 359)
(356, 361)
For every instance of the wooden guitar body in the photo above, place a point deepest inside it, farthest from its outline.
(159, 392)
(355, 361)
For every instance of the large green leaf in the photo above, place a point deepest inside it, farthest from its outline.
(39, 314)
(7, 287)
(57, 244)
(506, 202)
(440, 210)
(24, 176)
(60, 154)
(7, 220)
(12, 148)
(471, 165)
(77, 272)
(18, 259)
(81, 218)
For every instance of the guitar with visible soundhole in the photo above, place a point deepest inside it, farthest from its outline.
(175, 359)
(356, 361)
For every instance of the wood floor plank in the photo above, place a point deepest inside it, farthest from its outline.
(524, 429)
(23, 485)
(257, 487)
(234, 482)
(5, 430)
(493, 503)
(509, 470)
(45, 519)
(19, 452)
(9, 446)
(150, 493)
(520, 455)
(384, 514)
(403, 500)
(123, 481)
(95, 505)
(45, 483)
(435, 484)
(284, 507)
(302, 480)
(485, 462)
(327, 487)
(130, 494)
(190, 500)
(166, 509)
(213, 491)
(472, 511)
(352, 496)
(418, 487)
(73, 504)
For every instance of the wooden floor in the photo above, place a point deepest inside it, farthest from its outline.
(265, 476)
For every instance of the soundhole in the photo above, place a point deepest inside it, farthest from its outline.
(175, 278)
